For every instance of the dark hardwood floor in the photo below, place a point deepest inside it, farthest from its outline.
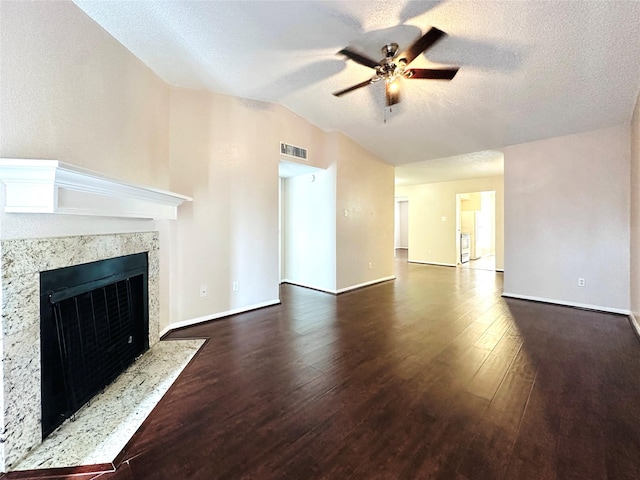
(433, 375)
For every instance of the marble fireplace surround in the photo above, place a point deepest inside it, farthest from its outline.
(21, 262)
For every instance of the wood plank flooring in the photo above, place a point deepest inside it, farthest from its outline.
(432, 376)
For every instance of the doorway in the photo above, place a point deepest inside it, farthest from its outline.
(298, 215)
(476, 225)
(401, 226)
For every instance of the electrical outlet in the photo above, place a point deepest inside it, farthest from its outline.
(370, 266)
(204, 291)
(235, 286)
(581, 282)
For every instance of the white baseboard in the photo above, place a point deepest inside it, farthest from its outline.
(433, 263)
(634, 323)
(307, 285)
(342, 290)
(214, 316)
(587, 306)
(366, 284)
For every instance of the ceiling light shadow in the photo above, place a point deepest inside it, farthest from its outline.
(415, 9)
(371, 43)
(456, 50)
(300, 78)
(336, 28)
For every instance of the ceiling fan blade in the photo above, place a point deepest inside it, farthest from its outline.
(422, 44)
(358, 58)
(392, 92)
(433, 74)
(351, 89)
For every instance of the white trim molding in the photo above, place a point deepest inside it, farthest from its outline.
(634, 323)
(309, 286)
(433, 263)
(366, 284)
(341, 290)
(598, 308)
(215, 316)
(51, 186)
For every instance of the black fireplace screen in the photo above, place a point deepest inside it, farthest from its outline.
(94, 323)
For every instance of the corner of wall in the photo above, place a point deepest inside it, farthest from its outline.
(635, 212)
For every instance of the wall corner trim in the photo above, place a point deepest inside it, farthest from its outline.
(598, 308)
(365, 284)
(634, 323)
(341, 290)
(438, 264)
(309, 286)
(215, 316)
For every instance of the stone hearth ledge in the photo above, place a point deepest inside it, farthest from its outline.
(22, 261)
(102, 428)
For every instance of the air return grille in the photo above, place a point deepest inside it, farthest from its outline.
(293, 151)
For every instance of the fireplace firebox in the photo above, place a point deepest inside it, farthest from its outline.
(94, 322)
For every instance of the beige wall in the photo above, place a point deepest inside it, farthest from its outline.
(432, 240)
(70, 92)
(471, 202)
(225, 154)
(635, 212)
(364, 215)
(567, 216)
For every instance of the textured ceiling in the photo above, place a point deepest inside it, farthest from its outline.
(528, 69)
(487, 163)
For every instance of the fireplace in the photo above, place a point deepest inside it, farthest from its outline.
(94, 323)
(23, 261)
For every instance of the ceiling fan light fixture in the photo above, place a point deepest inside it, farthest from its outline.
(392, 91)
(390, 68)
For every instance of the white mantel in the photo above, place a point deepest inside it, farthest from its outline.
(51, 186)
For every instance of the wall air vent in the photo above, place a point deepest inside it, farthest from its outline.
(293, 151)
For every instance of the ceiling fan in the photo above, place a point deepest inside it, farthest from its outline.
(394, 66)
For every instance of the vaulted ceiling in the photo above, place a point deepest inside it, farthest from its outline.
(529, 69)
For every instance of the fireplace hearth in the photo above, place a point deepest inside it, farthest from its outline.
(94, 323)
(22, 260)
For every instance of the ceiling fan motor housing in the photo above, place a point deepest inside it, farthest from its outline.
(390, 70)
(390, 50)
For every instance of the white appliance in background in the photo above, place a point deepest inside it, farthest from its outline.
(465, 247)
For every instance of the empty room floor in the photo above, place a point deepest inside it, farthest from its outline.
(433, 375)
